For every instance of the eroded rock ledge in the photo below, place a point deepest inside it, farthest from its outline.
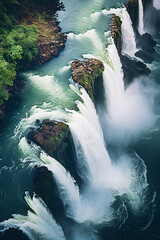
(56, 140)
(51, 43)
(52, 137)
(86, 73)
(132, 68)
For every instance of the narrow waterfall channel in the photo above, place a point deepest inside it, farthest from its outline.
(115, 140)
(140, 17)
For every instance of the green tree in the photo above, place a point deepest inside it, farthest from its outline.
(7, 76)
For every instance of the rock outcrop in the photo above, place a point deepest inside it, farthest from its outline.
(53, 138)
(132, 68)
(50, 45)
(132, 9)
(45, 187)
(56, 140)
(144, 56)
(116, 31)
(87, 73)
(147, 44)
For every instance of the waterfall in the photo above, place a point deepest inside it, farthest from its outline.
(38, 224)
(67, 186)
(156, 4)
(140, 17)
(88, 138)
(113, 82)
(128, 36)
(68, 189)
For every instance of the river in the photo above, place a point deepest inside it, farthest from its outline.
(116, 140)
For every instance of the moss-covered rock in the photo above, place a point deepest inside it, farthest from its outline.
(53, 137)
(116, 32)
(131, 67)
(86, 73)
(56, 140)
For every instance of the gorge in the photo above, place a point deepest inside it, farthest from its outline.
(80, 154)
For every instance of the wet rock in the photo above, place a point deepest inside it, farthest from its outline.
(53, 137)
(45, 187)
(13, 234)
(50, 45)
(86, 73)
(132, 9)
(116, 32)
(147, 43)
(133, 68)
(145, 57)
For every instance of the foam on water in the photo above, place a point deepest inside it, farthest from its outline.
(37, 224)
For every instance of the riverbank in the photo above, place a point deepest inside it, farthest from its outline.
(50, 42)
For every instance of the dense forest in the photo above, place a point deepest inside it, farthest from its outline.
(18, 39)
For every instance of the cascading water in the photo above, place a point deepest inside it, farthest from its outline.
(128, 36)
(140, 17)
(113, 82)
(107, 176)
(39, 223)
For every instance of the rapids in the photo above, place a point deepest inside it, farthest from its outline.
(118, 196)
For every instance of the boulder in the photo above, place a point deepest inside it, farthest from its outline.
(45, 187)
(147, 43)
(56, 140)
(133, 68)
(132, 9)
(12, 233)
(86, 73)
(144, 56)
(52, 137)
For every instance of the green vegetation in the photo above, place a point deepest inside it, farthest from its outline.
(18, 41)
(17, 45)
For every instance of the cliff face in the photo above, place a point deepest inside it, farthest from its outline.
(116, 32)
(131, 67)
(86, 73)
(132, 9)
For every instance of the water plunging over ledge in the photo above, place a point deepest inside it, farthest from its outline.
(116, 193)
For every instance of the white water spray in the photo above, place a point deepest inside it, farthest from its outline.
(38, 224)
(156, 4)
(87, 137)
(113, 81)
